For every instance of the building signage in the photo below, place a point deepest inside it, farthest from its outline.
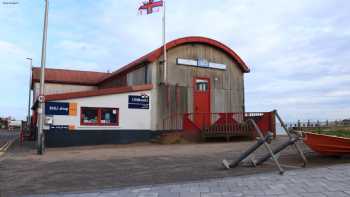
(56, 108)
(217, 66)
(59, 127)
(62, 127)
(73, 107)
(138, 102)
(203, 63)
(188, 62)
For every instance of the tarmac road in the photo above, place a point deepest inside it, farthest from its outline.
(6, 137)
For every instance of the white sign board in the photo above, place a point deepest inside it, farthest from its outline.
(200, 63)
(217, 65)
(188, 62)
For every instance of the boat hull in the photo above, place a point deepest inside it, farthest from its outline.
(327, 145)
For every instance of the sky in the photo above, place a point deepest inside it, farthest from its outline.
(298, 51)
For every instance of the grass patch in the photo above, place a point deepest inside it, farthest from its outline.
(334, 132)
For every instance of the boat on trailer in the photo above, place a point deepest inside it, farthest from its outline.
(327, 144)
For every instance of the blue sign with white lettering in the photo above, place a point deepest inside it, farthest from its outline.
(56, 108)
(203, 63)
(59, 127)
(138, 102)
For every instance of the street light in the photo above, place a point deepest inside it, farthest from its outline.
(41, 98)
(29, 90)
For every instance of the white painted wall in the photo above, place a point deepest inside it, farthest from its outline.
(135, 119)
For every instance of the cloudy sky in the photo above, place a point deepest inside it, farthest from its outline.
(298, 51)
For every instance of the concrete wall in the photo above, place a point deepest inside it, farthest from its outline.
(55, 88)
(129, 119)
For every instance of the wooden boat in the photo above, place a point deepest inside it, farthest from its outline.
(326, 144)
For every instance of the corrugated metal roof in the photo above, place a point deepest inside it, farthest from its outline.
(69, 76)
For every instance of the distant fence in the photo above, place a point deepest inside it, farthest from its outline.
(318, 124)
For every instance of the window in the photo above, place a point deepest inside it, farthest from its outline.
(89, 115)
(202, 85)
(109, 116)
(99, 116)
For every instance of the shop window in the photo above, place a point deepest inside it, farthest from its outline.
(109, 116)
(89, 115)
(99, 116)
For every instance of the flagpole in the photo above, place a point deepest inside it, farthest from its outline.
(164, 44)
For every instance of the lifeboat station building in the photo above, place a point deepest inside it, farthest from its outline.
(202, 95)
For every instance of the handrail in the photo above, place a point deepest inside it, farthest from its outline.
(214, 124)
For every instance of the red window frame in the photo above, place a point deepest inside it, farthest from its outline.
(99, 116)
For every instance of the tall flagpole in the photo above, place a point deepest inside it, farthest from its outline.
(41, 110)
(164, 45)
(29, 91)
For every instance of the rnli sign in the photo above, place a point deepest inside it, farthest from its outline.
(138, 102)
(62, 127)
(60, 108)
(59, 127)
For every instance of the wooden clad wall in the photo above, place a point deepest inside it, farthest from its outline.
(139, 76)
(118, 81)
(227, 86)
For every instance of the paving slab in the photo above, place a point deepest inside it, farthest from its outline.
(276, 185)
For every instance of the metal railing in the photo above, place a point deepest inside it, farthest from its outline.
(227, 125)
(173, 122)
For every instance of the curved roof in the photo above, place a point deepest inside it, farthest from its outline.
(154, 55)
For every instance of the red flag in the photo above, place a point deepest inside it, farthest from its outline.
(150, 5)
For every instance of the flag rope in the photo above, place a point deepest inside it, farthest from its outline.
(164, 43)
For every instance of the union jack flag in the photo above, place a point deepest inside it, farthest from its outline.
(150, 6)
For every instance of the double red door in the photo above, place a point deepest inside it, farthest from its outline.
(201, 102)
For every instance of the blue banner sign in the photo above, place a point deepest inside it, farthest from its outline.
(138, 102)
(56, 108)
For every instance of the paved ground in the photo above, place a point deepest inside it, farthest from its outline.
(22, 172)
(332, 181)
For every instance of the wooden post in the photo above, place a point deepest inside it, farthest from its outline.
(301, 153)
(267, 146)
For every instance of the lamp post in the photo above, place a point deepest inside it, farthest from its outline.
(41, 98)
(29, 90)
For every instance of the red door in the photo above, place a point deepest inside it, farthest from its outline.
(201, 102)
